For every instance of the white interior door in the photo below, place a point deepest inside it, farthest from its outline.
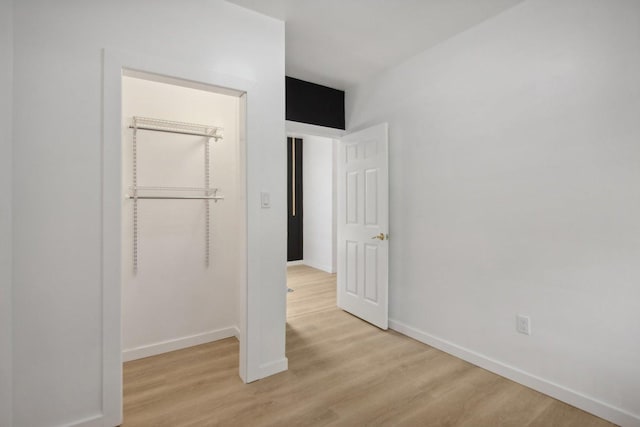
(363, 224)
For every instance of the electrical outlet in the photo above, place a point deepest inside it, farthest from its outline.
(523, 324)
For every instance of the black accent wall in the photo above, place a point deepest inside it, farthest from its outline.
(294, 197)
(314, 104)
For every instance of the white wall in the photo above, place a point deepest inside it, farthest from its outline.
(514, 189)
(57, 179)
(6, 108)
(317, 181)
(175, 300)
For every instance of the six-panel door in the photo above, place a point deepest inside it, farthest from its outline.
(363, 221)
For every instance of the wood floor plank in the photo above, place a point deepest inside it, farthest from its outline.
(342, 372)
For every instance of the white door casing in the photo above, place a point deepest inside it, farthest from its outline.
(251, 367)
(363, 224)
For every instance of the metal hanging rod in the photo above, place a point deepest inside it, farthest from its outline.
(216, 137)
(215, 198)
(159, 125)
(209, 193)
(142, 188)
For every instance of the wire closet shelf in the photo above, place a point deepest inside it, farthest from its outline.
(160, 125)
(206, 193)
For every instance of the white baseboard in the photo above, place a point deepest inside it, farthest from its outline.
(179, 343)
(94, 421)
(572, 397)
(274, 367)
(325, 268)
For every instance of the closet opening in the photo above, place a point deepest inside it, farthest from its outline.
(183, 234)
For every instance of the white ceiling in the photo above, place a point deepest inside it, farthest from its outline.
(339, 43)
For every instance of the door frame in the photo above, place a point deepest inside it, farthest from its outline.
(114, 65)
(299, 130)
(303, 130)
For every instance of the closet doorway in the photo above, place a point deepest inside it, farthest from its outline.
(183, 223)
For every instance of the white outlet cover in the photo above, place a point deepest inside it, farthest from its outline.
(523, 324)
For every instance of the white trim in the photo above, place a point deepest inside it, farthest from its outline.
(274, 367)
(557, 391)
(95, 421)
(325, 268)
(298, 130)
(179, 343)
(6, 219)
(180, 82)
(243, 233)
(111, 243)
(114, 63)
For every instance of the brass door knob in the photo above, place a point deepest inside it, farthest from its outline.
(380, 236)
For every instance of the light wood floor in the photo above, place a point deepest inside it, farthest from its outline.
(342, 372)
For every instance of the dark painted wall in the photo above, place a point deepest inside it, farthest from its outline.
(294, 186)
(314, 104)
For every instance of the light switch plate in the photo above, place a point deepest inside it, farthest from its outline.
(265, 200)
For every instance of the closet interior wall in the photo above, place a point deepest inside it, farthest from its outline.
(175, 300)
